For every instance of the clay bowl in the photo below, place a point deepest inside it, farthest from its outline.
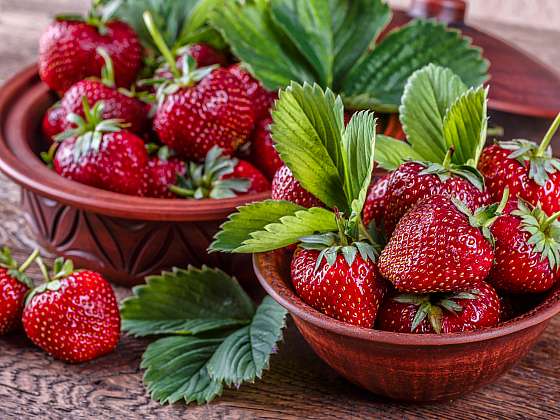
(407, 367)
(123, 237)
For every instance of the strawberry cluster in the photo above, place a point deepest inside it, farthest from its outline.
(134, 124)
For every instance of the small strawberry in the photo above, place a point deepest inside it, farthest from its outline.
(441, 312)
(245, 170)
(14, 285)
(527, 250)
(263, 154)
(203, 54)
(162, 172)
(440, 246)
(527, 169)
(74, 316)
(68, 51)
(374, 207)
(261, 99)
(286, 187)
(53, 122)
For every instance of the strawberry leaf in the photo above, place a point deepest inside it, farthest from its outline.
(378, 80)
(390, 153)
(186, 302)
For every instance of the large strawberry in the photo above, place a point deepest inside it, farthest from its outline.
(74, 316)
(527, 169)
(527, 250)
(440, 246)
(263, 154)
(14, 286)
(261, 99)
(441, 312)
(286, 187)
(68, 51)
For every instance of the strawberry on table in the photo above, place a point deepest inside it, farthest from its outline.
(286, 187)
(441, 312)
(263, 154)
(74, 316)
(261, 98)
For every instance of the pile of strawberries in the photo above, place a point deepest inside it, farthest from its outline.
(144, 137)
(73, 315)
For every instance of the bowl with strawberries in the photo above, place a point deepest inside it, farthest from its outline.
(428, 281)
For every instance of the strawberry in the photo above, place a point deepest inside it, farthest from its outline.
(527, 169)
(286, 187)
(53, 122)
(261, 99)
(440, 246)
(374, 207)
(68, 51)
(243, 169)
(203, 54)
(14, 285)
(74, 316)
(263, 154)
(162, 173)
(413, 181)
(441, 312)
(99, 154)
(527, 250)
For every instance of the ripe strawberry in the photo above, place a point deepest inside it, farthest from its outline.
(413, 181)
(68, 52)
(374, 207)
(286, 187)
(527, 169)
(14, 285)
(441, 312)
(54, 122)
(527, 250)
(348, 289)
(74, 316)
(162, 173)
(438, 246)
(261, 99)
(203, 54)
(263, 154)
(243, 169)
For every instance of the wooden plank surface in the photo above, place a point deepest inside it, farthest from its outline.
(298, 385)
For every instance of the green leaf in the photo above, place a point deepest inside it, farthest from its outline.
(246, 353)
(308, 25)
(196, 20)
(307, 129)
(176, 369)
(254, 39)
(378, 80)
(390, 153)
(465, 126)
(428, 94)
(371, 16)
(248, 219)
(186, 302)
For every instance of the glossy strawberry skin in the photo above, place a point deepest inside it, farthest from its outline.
(67, 53)
(482, 312)
(78, 322)
(261, 99)
(263, 154)
(406, 187)
(115, 104)
(435, 249)
(161, 174)
(501, 171)
(244, 169)
(205, 55)
(215, 112)
(374, 207)
(350, 294)
(12, 299)
(54, 122)
(286, 187)
(517, 267)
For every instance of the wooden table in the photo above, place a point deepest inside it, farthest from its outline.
(298, 383)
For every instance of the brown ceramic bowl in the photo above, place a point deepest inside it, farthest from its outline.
(123, 237)
(407, 367)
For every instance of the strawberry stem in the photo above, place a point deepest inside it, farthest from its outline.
(550, 220)
(43, 268)
(108, 71)
(160, 43)
(503, 202)
(28, 261)
(447, 159)
(549, 135)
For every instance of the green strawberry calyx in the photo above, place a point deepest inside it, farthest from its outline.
(61, 269)
(205, 180)
(8, 262)
(97, 16)
(537, 157)
(432, 306)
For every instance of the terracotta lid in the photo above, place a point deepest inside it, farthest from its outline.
(520, 84)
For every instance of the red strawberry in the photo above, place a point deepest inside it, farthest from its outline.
(441, 312)
(74, 316)
(438, 246)
(14, 285)
(263, 154)
(244, 169)
(54, 122)
(527, 250)
(68, 52)
(162, 173)
(286, 187)
(413, 181)
(374, 207)
(348, 291)
(260, 98)
(203, 54)
(529, 171)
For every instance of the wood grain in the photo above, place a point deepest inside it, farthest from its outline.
(298, 384)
